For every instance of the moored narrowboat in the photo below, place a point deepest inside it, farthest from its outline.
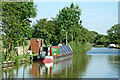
(50, 53)
(112, 46)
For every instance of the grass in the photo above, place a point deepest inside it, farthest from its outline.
(118, 46)
(80, 47)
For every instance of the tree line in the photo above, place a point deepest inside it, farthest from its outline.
(65, 27)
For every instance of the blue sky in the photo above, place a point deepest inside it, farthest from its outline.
(96, 16)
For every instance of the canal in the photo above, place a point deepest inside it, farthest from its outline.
(96, 63)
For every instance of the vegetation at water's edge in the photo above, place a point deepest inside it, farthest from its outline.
(80, 47)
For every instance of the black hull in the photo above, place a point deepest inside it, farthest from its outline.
(112, 47)
(63, 57)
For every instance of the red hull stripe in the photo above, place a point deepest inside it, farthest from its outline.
(46, 60)
(56, 55)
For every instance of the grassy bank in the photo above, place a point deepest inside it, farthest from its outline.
(118, 46)
(99, 46)
(80, 47)
(16, 58)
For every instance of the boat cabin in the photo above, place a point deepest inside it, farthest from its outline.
(36, 43)
(38, 46)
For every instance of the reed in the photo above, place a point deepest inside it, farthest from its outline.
(80, 47)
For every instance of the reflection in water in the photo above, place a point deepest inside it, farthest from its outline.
(16, 71)
(101, 64)
(69, 68)
(92, 65)
(114, 65)
(50, 69)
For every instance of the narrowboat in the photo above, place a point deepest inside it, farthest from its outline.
(112, 46)
(50, 53)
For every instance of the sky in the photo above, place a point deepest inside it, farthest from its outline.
(96, 15)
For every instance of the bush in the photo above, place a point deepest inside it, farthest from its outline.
(80, 47)
(16, 58)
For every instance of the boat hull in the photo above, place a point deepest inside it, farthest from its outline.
(49, 59)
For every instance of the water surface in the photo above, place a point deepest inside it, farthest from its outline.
(96, 63)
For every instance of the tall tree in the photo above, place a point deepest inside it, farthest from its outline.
(114, 34)
(16, 20)
(47, 30)
(101, 40)
(67, 19)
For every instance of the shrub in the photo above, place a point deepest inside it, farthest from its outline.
(80, 47)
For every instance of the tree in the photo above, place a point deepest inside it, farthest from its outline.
(94, 32)
(101, 40)
(93, 35)
(67, 19)
(16, 21)
(40, 30)
(52, 28)
(114, 34)
(46, 30)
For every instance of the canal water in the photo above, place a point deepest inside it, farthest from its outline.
(96, 63)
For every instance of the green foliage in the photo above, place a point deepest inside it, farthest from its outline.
(93, 35)
(16, 22)
(83, 35)
(46, 30)
(98, 39)
(67, 20)
(80, 47)
(65, 27)
(17, 58)
(114, 34)
(101, 40)
(40, 30)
